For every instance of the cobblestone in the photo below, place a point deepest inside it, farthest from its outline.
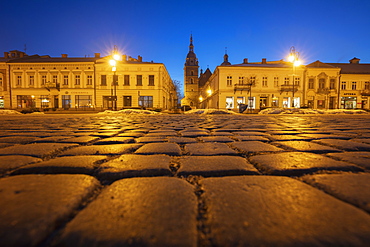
(184, 180)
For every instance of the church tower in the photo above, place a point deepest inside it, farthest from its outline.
(191, 81)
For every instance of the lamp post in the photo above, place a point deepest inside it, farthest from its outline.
(113, 63)
(294, 59)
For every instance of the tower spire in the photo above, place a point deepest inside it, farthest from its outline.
(191, 46)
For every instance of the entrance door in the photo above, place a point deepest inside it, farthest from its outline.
(127, 101)
(108, 102)
(56, 101)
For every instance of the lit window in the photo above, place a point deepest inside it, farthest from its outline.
(229, 102)
(146, 101)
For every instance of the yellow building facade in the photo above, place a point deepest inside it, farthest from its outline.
(83, 83)
(280, 84)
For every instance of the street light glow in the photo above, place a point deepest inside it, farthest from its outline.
(116, 57)
(113, 62)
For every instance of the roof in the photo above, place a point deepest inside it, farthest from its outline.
(48, 59)
(318, 64)
(261, 65)
(352, 68)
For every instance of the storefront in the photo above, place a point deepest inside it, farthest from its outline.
(2, 103)
(348, 103)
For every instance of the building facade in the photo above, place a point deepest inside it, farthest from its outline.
(265, 84)
(83, 83)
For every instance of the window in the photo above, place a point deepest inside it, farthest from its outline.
(66, 101)
(229, 102)
(297, 81)
(139, 80)
(65, 80)
(229, 81)
(89, 80)
(32, 80)
(311, 83)
(191, 81)
(43, 80)
(19, 80)
(44, 101)
(115, 80)
(367, 85)
(1, 81)
(321, 83)
(103, 80)
(55, 79)
(241, 79)
(332, 83)
(354, 85)
(276, 81)
(344, 86)
(240, 100)
(151, 80)
(252, 80)
(146, 101)
(264, 81)
(83, 101)
(286, 81)
(25, 101)
(126, 80)
(77, 80)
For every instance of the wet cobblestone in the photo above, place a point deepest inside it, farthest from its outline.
(184, 180)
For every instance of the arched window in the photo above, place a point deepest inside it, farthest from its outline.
(192, 72)
(191, 80)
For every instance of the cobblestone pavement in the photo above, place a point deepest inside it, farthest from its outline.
(184, 180)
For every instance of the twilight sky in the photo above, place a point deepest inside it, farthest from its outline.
(159, 30)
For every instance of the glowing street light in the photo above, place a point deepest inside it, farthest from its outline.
(113, 62)
(294, 59)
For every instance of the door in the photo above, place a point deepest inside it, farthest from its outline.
(127, 101)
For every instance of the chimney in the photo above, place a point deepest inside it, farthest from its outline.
(263, 60)
(124, 58)
(21, 54)
(354, 60)
(245, 60)
(140, 58)
(6, 54)
(97, 55)
(64, 55)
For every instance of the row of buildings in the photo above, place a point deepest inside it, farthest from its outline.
(34, 81)
(276, 84)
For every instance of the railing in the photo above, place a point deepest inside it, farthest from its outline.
(288, 88)
(243, 87)
(365, 92)
(323, 91)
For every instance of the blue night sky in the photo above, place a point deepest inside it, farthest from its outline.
(159, 30)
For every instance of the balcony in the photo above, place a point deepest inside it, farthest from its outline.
(365, 92)
(243, 87)
(323, 91)
(288, 88)
(52, 85)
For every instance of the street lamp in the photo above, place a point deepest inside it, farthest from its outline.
(294, 59)
(113, 63)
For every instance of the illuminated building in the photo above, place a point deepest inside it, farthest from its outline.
(83, 83)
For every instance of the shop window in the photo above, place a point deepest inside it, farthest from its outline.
(146, 101)
(66, 101)
(240, 100)
(229, 102)
(83, 101)
(44, 101)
